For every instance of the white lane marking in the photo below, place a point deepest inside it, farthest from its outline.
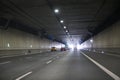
(28, 57)
(19, 78)
(5, 56)
(5, 62)
(114, 76)
(49, 62)
(10, 56)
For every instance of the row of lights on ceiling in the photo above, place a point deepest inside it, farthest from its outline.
(62, 21)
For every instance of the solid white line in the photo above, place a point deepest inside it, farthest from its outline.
(114, 76)
(49, 62)
(6, 56)
(19, 78)
(5, 62)
(28, 57)
(10, 56)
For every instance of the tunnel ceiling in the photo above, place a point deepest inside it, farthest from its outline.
(81, 17)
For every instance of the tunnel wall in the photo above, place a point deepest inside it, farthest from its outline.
(17, 42)
(106, 41)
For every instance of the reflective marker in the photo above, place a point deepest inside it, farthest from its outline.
(8, 45)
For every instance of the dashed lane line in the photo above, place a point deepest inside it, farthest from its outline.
(5, 62)
(49, 62)
(21, 77)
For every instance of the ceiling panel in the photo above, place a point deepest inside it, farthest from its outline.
(81, 17)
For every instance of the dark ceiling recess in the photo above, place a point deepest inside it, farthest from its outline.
(91, 29)
(22, 27)
(4, 23)
(83, 18)
(107, 23)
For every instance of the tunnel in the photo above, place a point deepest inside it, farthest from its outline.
(59, 40)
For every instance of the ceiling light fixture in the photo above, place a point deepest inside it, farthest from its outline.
(64, 27)
(66, 30)
(61, 21)
(56, 11)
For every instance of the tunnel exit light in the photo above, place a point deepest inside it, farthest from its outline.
(80, 46)
(71, 46)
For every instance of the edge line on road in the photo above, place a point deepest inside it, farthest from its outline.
(114, 76)
(19, 78)
(49, 62)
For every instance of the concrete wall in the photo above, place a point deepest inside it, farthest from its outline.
(107, 40)
(13, 41)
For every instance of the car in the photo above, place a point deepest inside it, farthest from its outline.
(63, 49)
(53, 49)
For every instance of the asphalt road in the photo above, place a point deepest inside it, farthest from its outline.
(68, 65)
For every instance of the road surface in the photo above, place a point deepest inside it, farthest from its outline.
(67, 65)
